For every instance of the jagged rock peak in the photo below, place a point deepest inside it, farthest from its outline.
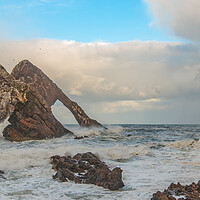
(26, 65)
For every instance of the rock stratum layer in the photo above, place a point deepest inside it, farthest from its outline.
(179, 192)
(86, 168)
(26, 97)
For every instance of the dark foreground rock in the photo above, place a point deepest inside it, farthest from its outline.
(179, 192)
(86, 168)
(30, 116)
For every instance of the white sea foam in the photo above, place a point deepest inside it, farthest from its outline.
(2, 126)
(2, 197)
(38, 154)
(80, 131)
(115, 152)
(185, 144)
(115, 128)
(149, 163)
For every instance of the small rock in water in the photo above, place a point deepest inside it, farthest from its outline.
(179, 192)
(1, 174)
(81, 137)
(86, 168)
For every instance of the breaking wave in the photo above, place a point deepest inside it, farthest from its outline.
(147, 154)
(185, 144)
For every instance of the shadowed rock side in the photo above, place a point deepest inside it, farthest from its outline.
(30, 116)
(179, 192)
(87, 168)
(30, 74)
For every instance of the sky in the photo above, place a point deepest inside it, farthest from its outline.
(123, 61)
(79, 20)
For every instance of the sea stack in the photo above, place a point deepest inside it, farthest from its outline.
(26, 97)
(27, 72)
(29, 115)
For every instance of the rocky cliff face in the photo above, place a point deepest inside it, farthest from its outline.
(30, 74)
(30, 115)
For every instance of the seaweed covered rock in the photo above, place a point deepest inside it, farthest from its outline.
(179, 192)
(32, 75)
(87, 168)
(30, 116)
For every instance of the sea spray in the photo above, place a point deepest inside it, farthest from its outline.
(2, 126)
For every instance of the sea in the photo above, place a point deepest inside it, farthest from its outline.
(151, 157)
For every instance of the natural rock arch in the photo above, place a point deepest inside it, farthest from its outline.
(32, 75)
(26, 97)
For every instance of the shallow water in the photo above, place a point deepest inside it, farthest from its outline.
(151, 157)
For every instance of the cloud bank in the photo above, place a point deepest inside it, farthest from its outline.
(182, 17)
(129, 79)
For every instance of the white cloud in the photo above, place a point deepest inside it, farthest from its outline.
(125, 77)
(130, 106)
(180, 16)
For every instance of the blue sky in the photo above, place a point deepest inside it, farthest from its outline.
(79, 20)
(123, 61)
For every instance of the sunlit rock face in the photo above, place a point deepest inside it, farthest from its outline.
(30, 115)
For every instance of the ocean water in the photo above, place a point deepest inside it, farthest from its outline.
(151, 157)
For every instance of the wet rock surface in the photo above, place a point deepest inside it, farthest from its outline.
(32, 75)
(179, 192)
(86, 168)
(30, 116)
